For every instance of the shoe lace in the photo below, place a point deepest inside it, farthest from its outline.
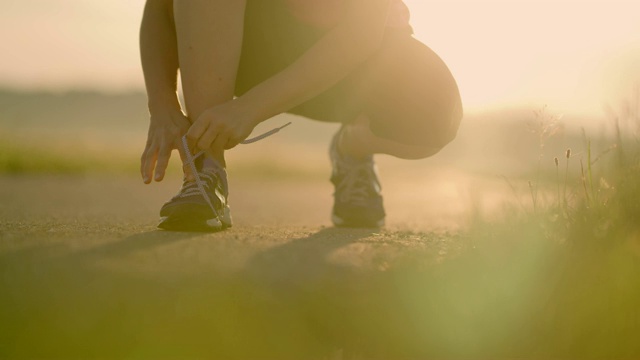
(358, 184)
(190, 187)
(191, 158)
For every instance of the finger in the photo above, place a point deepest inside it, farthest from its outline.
(186, 169)
(149, 163)
(195, 133)
(219, 143)
(208, 138)
(231, 143)
(164, 154)
(143, 159)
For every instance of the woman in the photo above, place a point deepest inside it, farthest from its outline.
(242, 62)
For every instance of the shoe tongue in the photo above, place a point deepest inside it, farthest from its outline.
(203, 174)
(209, 164)
(188, 183)
(199, 163)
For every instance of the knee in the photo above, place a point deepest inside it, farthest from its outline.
(425, 149)
(412, 152)
(417, 152)
(439, 131)
(448, 134)
(419, 139)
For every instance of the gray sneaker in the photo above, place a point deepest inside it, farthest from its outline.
(189, 210)
(357, 198)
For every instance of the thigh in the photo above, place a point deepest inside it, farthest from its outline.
(406, 91)
(273, 39)
(409, 94)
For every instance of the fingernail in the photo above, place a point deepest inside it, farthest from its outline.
(146, 179)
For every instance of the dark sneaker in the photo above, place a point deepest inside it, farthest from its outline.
(201, 205)
(189, 210)
(357, 199)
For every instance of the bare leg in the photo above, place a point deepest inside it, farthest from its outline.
(402, 102)
(209, 39)
(208, 61)
(358, 141)
(412, 106)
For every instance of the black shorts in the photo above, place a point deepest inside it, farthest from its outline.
(405, 89)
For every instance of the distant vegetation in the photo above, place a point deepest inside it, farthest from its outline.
(77, 130)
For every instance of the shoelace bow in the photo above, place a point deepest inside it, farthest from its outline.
(356, 185)
(191, 158)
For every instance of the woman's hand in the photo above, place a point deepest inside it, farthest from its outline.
(166, 128)
(221, 127)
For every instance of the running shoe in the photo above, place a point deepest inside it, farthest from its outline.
(357, 198)
(191, 210)
(201, 204)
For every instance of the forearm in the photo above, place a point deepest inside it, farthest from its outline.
(159, 54)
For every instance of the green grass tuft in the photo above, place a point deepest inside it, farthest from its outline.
(20, 160)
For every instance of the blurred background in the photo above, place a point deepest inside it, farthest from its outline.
(71, 83)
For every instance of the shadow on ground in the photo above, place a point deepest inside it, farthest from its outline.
(303, 294)
(97, 301)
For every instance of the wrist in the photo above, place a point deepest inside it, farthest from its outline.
(257, 107)
(163, 103)
(253, 111)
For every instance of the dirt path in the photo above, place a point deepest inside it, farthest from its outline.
(114, 219)
(84, 272)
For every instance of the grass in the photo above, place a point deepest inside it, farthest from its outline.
(557, 279)
(588, 277)
(15, 159)
(23, 157)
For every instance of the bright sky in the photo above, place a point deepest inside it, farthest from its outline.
(569, 54)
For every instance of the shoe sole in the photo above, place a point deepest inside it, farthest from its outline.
(182, 222)
(340, 222)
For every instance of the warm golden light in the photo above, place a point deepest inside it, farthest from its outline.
(572, 55)
(520, 51)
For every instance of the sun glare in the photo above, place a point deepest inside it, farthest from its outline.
(562, 53)
(571, 55)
